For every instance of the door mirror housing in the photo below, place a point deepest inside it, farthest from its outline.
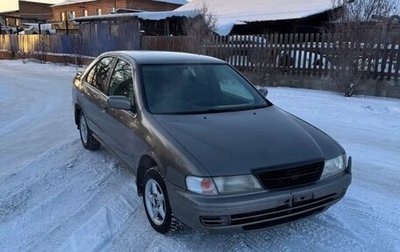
(263, 91)
(119, 102)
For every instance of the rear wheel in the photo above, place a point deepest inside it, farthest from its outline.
(156, 203)
(87, 139)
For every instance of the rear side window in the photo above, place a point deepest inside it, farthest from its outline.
(97, 76)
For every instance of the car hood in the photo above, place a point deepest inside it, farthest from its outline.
(233, 143)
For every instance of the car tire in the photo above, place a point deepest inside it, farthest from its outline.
(156, 202)
(87, 139)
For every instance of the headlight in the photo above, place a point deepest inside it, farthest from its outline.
(223, 185)
(201, 185)
(237, 184)
(334, 166)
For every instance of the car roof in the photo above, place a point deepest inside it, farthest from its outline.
(165, 57)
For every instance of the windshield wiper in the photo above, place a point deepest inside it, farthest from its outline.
(228, 109)
(217, 110)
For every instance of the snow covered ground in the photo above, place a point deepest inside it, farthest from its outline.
(54, 195)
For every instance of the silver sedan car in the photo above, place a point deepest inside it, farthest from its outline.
(208, 149)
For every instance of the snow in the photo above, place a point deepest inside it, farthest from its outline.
(68, 2)
(242, 11)
(234, 13)
(145, 15)
(56, 196)
(173, 1)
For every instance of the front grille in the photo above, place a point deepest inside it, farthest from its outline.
(283, 213)
(291, 176)
(273, 216)
(283, 220)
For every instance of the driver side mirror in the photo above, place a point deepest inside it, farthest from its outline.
(119, 102)
(263, 91)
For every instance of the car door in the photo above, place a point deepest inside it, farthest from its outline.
(122, 125)
(93, 97)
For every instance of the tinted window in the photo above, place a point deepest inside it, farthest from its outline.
(97, 76)
(121, 82)
(187, 89)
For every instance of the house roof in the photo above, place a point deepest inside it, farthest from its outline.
(68, 2)
(236, 12)
(244, 11)
(145, 15)
(181, 2)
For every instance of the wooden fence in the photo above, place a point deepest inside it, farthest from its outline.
(88, 45)
(291, 54)
(287, 54)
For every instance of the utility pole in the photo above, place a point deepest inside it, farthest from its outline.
(66, 23)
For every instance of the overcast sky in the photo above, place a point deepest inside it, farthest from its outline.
(7, 5)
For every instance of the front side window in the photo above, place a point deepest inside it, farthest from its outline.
(97, 76)
(197, 88)
(121, 82)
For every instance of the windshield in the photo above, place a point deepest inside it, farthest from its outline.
(197, 88)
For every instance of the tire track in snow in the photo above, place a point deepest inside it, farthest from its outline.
(385, 228)
(87, 178)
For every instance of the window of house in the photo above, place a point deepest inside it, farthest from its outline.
(99, 12)
(122, 80)
(17, 22)
(97, 76)
(73, 14)
(62, 15)
(85, 13)
(7, 21)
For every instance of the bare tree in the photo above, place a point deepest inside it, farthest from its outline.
(356, 33)
(200, 30)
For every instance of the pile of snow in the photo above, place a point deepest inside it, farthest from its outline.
(243, 11)
(55, 195)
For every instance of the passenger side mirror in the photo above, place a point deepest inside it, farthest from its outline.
(78, 75)
(263, 91)
(119, 102)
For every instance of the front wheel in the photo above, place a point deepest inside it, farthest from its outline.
(156, 203)
(87, 139)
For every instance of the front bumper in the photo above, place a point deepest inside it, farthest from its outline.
(256, 210)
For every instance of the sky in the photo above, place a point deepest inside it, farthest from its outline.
(8, 5)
